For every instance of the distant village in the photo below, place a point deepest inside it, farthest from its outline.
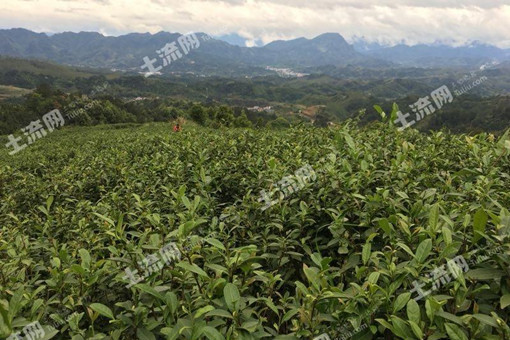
(268, 109)
(286, 72)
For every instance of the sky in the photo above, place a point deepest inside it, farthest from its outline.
(384, 21)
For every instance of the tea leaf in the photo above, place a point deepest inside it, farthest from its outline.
(423, 250)
(102, 309)
(232, 297)
(455, 332)
(479, 223)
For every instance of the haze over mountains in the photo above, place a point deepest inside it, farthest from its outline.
(126, 52)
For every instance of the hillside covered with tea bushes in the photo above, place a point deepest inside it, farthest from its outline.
(384, 211)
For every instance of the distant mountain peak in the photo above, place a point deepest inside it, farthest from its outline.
(330, 37)
(82, 33)
(238, 40)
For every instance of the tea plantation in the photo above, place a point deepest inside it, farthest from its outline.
(400, 235)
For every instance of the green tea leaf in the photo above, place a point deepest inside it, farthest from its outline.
(413, 311)
(102, 310)
(202, 311)
(479, 224)
(488, 320)
(212, 334)
(455, 332)
(193, 268)
(505, 301)
(423, 250)
(367, 251)
(400, 302)
(232, 297)
(434, 217)
(85, 258)
(145, 334)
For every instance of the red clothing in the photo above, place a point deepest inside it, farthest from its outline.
(177, 128)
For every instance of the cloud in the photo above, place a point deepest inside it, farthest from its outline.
(389, 21)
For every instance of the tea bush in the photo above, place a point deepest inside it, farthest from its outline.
(340, 256)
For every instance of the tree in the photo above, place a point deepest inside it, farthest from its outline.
(225, 115)
(44, 90)
(212, 113)
(260, 122)
(322, 118)
(278, 123)
(243, 121)
(198, 114)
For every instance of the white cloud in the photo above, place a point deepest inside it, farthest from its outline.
(393, 21)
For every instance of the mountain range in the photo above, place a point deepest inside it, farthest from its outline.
(215, 56)
(439, 55)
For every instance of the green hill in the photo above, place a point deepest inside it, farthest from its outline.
(28, 74)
